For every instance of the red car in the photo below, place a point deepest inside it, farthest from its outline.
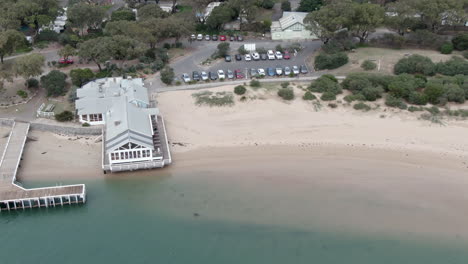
(222, 38)
(65, 61)
(286, 55)
(239, 74)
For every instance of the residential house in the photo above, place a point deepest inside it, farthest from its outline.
(290, 27)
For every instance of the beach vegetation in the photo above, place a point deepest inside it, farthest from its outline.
(240, 90)
(393, 101)
(255, 83)
(286, 93)
(214, 99)
(413, 108)
(415, 64)
(285, 84)
(332, 105)
(368, 65)
(354, 97)
(361, 106)
(309, 96)
(167, 75)
(328, 96)
(325, 84)
(325, 61)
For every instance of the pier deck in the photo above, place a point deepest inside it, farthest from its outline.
(13, 195)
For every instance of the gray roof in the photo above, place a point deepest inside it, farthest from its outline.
(96, 97)
(129, 123)
(291, 18)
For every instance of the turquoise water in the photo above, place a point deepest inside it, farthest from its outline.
(172, 219)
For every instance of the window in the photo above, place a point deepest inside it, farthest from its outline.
(126, 155)
(144, 153)
(95, 117)
(112, 156)
(84, 117)
(122, 155)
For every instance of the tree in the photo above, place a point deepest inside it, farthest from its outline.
(151, 11)
(460, 42)
(80, 77)
(29, 66)
(97, 50)
(329, 20)
(132, 30)
(365, 19)
(309, 5)
(435, 12)
(219, 16)
(84, 16)
(124, 48)
(330, 61)
(123, 14)
(167, 75)
(267, 4)
(286, 5)
(67, 51)
(415, 64)
(9, 41)
(402, 16)
(223, 49)
(54, 83)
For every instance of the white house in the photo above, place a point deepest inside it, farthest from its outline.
(134, 135)
(291, 26)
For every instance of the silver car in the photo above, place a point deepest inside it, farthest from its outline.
(204, 76)
(186, 77)
(230, 74)
(295, 70)
(287, 71)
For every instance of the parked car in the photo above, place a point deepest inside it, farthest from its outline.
(238, 57)
(222, 38)
(232, 38)
(261, 72)
(221, 74)
(207, 37)
(193, 37)
(279, 70)
(185, 78)
(213, 76)
(227, 58)
(204, 76)
(214, 37)
(263, 56)
(199, 37)
(65, 61)
(239, 74)
(248, 57)
(271, 71)
(253, 72)
(286, 55)
(230, 74)
(295, 70)
(287, 71)
(255, 56)
(304, 69)
(278, 55)
(240, 38)
(195, 76)
(271, 55)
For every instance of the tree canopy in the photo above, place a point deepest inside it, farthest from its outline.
(84, 16)
(29, 65)
(9, 41)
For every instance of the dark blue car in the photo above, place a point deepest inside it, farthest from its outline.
(270, 72)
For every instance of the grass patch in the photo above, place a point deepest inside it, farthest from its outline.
(214, 99)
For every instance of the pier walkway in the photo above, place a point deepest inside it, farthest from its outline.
(13, 195)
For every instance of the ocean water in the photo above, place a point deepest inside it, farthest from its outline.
(199, 218)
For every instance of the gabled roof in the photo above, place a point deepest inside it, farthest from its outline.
(291, 18)
(128, 123)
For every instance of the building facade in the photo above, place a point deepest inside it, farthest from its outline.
(291, 27)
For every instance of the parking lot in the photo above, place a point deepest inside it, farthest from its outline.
(204, 50)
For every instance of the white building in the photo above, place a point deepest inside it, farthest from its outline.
(134, 135)
(291, 26)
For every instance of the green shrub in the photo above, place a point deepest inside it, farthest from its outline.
(47, 35)
(434, 92)
(279, 48)
(460, 42)
(64, 116)
(54, 83)
(239, 90)
(393, 101)
(433, 110)
(285, 84)
(368, 65)
(242, 50)
(330, 61)
(415, 109)
(325, 84)
(332, 105)
(286, 93)
(361, 106)
(446, 48)
(309, 96)
(417, 98)
(255, 83)
(452, 67)
(286, 5)
(214, 99)
(86, 124)
(328, 96)
(454, 93)
(415, 64)
(167, 46)
(354, 97)
(21, 93)
(32, 83)
(167, 75)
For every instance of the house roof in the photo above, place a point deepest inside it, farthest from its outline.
(291, 18)
(96, 97)
(129, 123)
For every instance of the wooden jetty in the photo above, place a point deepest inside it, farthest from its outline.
(13, 196)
